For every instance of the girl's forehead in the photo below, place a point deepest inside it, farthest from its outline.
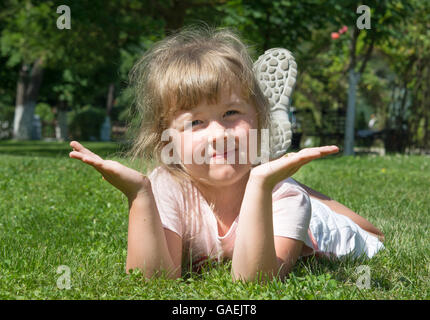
(227, 96)
(224, 96)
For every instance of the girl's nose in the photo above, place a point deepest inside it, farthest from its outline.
(221, 138)
(216, 131)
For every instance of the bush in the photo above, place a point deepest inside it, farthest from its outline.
(47, 117)
(85, 124)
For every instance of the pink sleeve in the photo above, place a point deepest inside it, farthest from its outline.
(291, 210)
(168, 197)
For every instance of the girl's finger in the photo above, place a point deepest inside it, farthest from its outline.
(88, 159)
(300, 158)
(329, 150)
(315, 153)
(92, 161)
(80, 148)
(76, 145)
(76, 155)
(326, 150)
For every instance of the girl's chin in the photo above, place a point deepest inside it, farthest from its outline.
(224, 175)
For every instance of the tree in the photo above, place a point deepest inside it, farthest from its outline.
(408, 118)
(266, 24)
(385, 15)
(22, 41)
(30, 37)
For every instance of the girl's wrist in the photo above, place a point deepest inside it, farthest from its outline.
(261, 182)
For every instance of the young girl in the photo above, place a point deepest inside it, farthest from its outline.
(198, 86)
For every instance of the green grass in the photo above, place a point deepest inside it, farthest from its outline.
(56, 211)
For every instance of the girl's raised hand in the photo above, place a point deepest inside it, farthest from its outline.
(128, 181)
(273, 172)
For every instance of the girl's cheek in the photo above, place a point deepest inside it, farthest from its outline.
(200, 149)
(193, 147)
(180, 145)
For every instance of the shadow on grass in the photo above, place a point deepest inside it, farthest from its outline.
(58, 149)
(344, 269)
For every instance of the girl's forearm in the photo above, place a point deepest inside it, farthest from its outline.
(254, 250)
(147, 245)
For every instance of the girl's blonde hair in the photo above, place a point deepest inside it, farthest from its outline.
(181, 71)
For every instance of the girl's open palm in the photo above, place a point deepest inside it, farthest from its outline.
(277, 170)
(128, 181)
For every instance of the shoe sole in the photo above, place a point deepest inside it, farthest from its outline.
(276, 72)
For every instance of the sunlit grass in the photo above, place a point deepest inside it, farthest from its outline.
(56, 211)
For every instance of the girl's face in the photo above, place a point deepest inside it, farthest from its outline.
(214, 138)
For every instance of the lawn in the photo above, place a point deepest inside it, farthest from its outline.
(56, 214)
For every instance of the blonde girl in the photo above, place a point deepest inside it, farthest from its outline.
(198, 86)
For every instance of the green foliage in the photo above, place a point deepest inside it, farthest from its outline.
(267, 24)
(85, 123)
(30, 32)
(79, 69)
(409, 61)
(82, 62)
(43, 110)
(6, 121)
(6, 113)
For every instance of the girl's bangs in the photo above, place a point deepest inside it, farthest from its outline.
(189, 83)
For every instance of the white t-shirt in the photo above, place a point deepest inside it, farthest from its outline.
(291, 217)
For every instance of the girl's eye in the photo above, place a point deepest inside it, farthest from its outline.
(231, 112)
(195, 123)
(188, 125)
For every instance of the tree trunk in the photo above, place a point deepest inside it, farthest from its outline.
(23, 117)
(61, 130)
(26, 95)
(353, 77)
(110, 99)
(105, 131)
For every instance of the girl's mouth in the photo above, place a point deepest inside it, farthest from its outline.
(223, 155)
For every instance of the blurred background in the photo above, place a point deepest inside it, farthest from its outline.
(363, 71)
